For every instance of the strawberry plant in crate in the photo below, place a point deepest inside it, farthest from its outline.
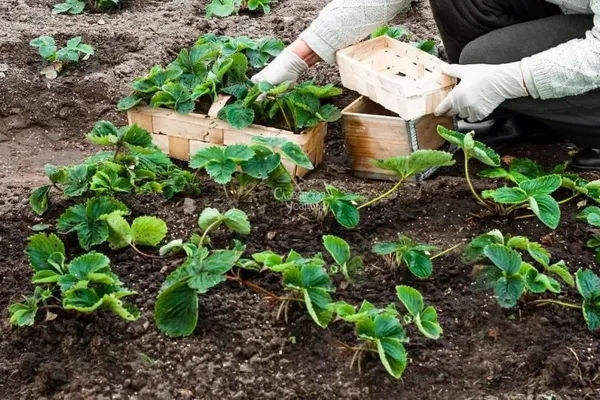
(131, 164)
(532, 194)
(291, 108)
(225, 8)
(220, 65)
(247, 167)
(213, 65)
(511, 276)
(85, 284)
(382, 331)
(406, 252)
(344, 206)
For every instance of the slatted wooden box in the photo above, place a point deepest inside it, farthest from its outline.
(400, 77)
(180, 136)
(373, 132)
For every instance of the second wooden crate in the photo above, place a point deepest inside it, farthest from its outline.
(180, 136)
(396, 75)
(373, 132)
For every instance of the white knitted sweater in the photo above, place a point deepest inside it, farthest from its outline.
(569, 69)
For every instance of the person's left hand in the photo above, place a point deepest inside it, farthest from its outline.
(481, 90)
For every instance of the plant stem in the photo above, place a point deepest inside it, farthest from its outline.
(479, 199)
(526, 216)
(225, 190)
(210, 227)
(383, 196)
(145, 254)
(568, 199)
(515, 207)
(545, 302)
(287, 121)
(446, 251)
(262, 290)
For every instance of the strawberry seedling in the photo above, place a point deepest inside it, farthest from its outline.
(176, 308)
(344, 206)
(305, 280)
(511, 277)
(532, 194)
(72, 53)
(592, 216)
(225, 8)
(406, 252)
(245, 168)
(100, 219)
(523, 169)
(69, 6)
(339, 250)
(588, 285)
(474, 252)
(133, 165)
(383, 331)
(86, 284)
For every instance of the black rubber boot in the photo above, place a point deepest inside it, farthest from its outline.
(494, 131)
(586, 159)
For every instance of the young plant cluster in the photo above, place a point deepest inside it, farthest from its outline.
(225, 8)
(305, 281)
(131, 163)
(529, 193)
(405, 252)
(511, 276)
(220, 65)
(247, 167)
(85, 284)
(344, 206)
(382, 330)
(400, 32)
(77, 6)
(72, 53)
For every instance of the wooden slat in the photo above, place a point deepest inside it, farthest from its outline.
(183, 135)
(179, 148)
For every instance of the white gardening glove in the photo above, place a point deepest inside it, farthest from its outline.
(481, 90)
(286, 67)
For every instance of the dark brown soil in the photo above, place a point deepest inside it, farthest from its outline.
(239, 350)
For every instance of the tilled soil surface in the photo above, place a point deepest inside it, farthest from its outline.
(239, 350)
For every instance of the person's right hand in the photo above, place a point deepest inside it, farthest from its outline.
(286, 67)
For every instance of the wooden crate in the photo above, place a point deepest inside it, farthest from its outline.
(372, 132)
(180, 136)
(396, 75)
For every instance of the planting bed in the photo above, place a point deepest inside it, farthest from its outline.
(239, 350)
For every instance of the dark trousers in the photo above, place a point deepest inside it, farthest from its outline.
(503, 31)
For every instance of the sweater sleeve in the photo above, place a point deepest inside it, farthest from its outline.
(570, 69)
(345, 22)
